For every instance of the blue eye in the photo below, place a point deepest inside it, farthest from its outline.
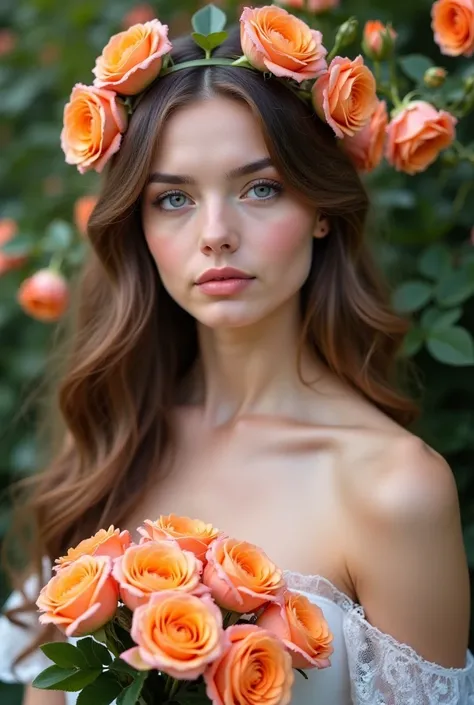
(265, 190)
(171, 201)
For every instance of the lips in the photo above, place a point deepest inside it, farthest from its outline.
(222, 274)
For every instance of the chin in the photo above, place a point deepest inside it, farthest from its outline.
(225, 314)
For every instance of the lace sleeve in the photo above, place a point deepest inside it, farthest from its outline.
(385, 672)
(14, 639)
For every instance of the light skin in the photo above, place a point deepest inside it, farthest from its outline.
(348, 494)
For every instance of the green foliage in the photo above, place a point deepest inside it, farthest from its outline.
(421, 227)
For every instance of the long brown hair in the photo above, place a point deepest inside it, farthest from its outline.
(132, 345)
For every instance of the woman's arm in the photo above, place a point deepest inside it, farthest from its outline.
(408, 559)
(34, 696)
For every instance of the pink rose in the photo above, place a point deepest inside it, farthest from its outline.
(44, 295)
(81, 597)
(417, 135)
(132, 59)
(315, 6)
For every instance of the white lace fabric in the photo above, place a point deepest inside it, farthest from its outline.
(381, 670)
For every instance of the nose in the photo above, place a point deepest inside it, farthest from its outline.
(219, 233)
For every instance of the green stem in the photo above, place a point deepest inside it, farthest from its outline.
(394, 94)
(56, 262)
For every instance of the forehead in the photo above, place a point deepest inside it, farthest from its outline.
(216, 129)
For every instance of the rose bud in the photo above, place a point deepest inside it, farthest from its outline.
(44, 295)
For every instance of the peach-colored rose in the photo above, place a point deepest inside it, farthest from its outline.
(81, 597)
(302, 628)
(254, 669)
(191, 534)
(417, 135)
(274, 40)
(94, 120)
(345, 96)
(366, 147)
(132, 59)
(44, 295)
(83, 208)
(155, 566)
(138, 15)
(111, 542)
(240, 576)
(376, 36)
(315, 6)
(453, 26)
(8, 230)
(178, 633)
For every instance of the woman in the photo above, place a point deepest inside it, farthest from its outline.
(234, 359)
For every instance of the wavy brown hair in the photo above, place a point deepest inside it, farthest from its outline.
(132, 345)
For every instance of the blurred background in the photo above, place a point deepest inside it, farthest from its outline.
(422, 226)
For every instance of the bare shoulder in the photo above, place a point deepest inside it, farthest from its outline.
(405, 549)
(408, 480)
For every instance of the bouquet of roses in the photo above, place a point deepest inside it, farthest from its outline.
(186, 616)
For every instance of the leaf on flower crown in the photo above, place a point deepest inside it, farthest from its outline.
(208, 24)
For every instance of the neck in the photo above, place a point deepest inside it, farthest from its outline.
(253, 369)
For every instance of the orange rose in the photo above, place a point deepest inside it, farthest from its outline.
(178, 633)
(8, 41)
(111, 542)
(453, 26)
(8, 230)
(345, 96)
(83, 208)
(81, 597)
(94, 121)
(366, 147)
(315, 6)
(240, 576)
(273, 40)
(378, 39)
(132, 59)
(44, 295)
(191, 534)
(155, 566)
(254, 669)
(302, 628)
(417, 135)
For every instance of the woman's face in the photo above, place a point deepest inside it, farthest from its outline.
(215, 201)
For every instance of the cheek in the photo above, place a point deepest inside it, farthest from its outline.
(287, 241)
(166, 253)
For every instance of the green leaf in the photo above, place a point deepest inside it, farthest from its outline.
(131, 694)
(103, 691)
(64, 655)
(59, 236)
(413, 341)
(52, 676)
(435, 318)
(435, 262)
(19, 245)
(411, 296)
(56, 678)
(415, 65)
(455, 287)
(210, 41)
(96, 654)
(208, 20)
(453, 346)
(121, 666)
(201, 40)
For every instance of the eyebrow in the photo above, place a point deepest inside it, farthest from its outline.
(158, 178)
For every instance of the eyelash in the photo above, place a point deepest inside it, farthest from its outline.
(262, 182)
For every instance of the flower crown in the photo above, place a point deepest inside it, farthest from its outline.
(273, 41)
